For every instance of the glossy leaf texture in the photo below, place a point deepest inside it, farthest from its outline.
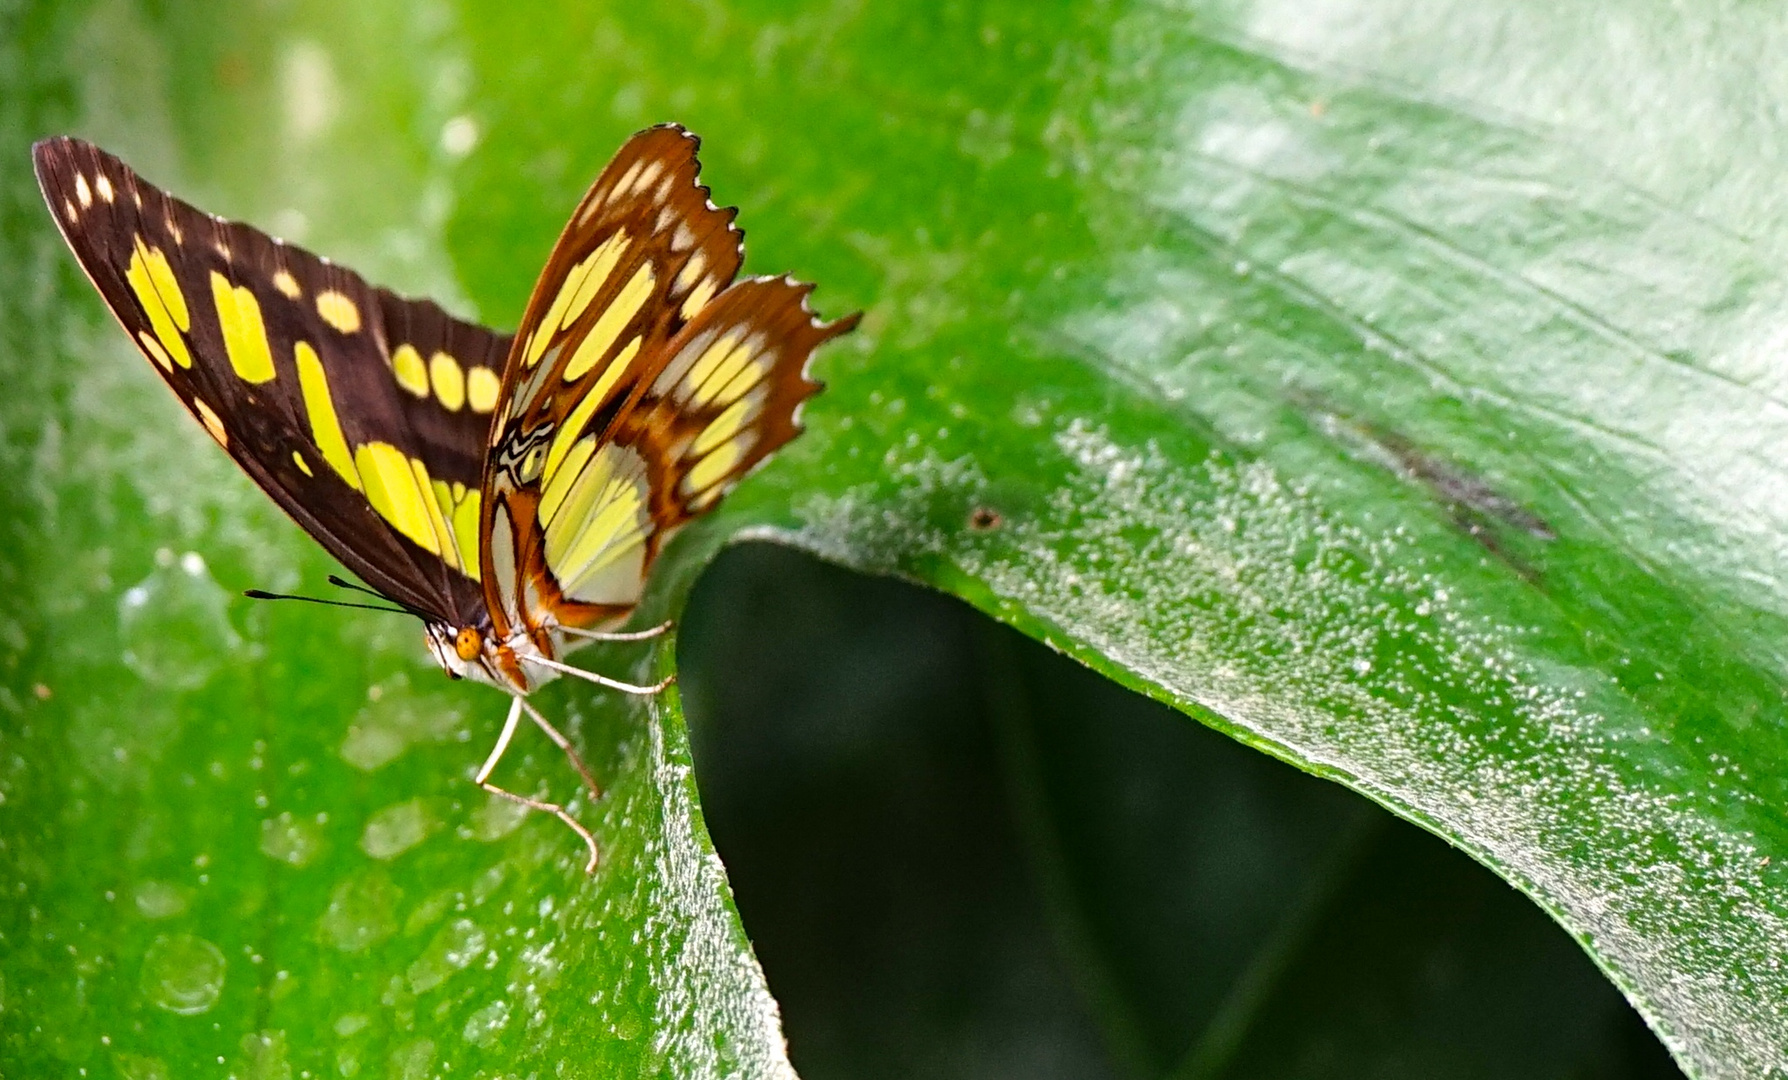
(1392, 387)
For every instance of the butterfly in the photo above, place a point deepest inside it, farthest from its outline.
(510, 491)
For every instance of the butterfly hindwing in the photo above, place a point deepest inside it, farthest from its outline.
(726, 393)
(643, 383)
(363, 414)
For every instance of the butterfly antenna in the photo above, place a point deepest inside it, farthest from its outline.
(343, 583)
(260, 594)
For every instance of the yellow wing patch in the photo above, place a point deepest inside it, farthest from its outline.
(401, 491)
(319, 406)
(580, 287)
(611, 322)
(596, 532)
(482, 388)
(339, 311)
(717, 463)
(574, 424)
(612, 374)
(440, 517)
(157, 290)
(453, 386)
(244, 334)
(598, 267)
(560, 476)
(459, 506)
(727, 424)
(154, 348)
(411, 372)
(449, 381)
(698, 299)
(213, 423)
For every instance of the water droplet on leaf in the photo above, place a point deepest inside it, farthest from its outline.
(453, 949)
(483, 1026)
(361, 912)
(396, 829)
(290, 840)
(175, 625)
(160, 900)
(183, 974)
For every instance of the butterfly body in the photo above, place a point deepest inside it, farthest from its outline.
(512, 491)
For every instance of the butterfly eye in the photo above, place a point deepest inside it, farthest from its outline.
(468, 644)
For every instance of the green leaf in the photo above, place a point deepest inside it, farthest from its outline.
(1390, 388)
(241, 836)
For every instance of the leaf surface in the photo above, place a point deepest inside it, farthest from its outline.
(1393, 388)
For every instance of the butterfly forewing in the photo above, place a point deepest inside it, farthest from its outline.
(363, 414)
(616, 424)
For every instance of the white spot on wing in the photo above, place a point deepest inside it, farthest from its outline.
(647, 177)
(623, 185)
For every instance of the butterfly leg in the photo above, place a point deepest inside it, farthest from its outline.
(496, 755)
(496, 752)
(564, 744)
(552, 808)
(636, 635)
(601, 680)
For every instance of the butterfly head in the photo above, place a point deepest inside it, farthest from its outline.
(468, 644)
(471, 652)
(456, 648)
